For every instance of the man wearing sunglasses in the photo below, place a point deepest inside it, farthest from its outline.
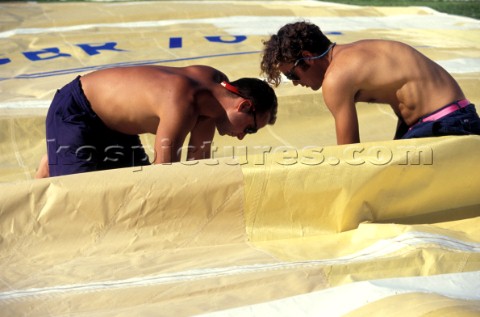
(426, 99)
(94, 122)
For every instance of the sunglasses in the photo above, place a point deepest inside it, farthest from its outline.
(291, 73)
(248, 130)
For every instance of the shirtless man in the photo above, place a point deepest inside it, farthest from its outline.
(427, 100)
(94, 122)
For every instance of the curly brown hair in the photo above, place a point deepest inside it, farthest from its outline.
(287, 45)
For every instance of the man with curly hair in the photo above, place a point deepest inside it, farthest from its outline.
(425, 97)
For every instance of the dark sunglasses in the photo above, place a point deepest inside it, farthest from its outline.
(248, 130)
(291, 73)
(254, 129)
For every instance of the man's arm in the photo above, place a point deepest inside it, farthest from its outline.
(341, 103)
(168, 145)
(346, 123)
(201, 138)
(172, 131)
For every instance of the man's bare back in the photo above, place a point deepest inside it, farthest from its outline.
(421, 93)
(132, 100)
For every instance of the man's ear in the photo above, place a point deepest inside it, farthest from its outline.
(306, 54)
(244, 106)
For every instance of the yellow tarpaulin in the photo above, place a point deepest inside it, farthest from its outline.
(283, 223)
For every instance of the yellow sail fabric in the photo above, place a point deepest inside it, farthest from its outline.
(282, 223)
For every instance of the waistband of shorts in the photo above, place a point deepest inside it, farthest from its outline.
(79, 96)
(446, 110)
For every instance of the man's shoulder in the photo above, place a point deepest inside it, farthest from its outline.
(207, 73)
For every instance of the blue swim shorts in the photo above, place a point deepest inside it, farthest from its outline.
(78, 141)
(457, 118)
